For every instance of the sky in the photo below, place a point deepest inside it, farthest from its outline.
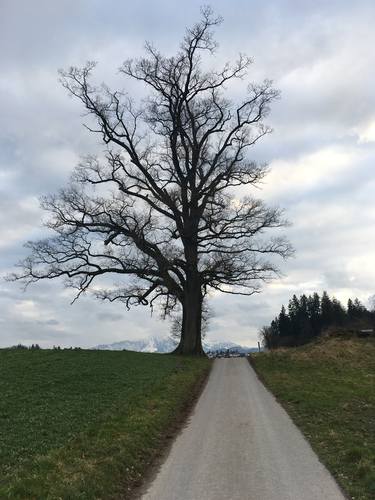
(321, 153)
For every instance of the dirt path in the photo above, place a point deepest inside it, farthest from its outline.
(240, 444)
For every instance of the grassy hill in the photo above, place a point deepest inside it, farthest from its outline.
(328, 388)
(84, 424)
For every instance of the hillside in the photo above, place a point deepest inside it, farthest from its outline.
(328, 388)
(85, 424)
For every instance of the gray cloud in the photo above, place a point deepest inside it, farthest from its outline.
(107, 316)
(322, 151)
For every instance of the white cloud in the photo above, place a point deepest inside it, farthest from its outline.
(367, 133)
(26, 309)
(311, 171)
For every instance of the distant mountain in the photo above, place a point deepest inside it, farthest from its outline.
(151, 344)
(214, 347)
(166, 344)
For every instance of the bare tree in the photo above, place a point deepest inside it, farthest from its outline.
(158, 210)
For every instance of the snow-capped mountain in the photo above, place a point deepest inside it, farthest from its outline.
(166, 344)
(151, 344)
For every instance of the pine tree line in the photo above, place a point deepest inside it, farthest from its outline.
(308, 316)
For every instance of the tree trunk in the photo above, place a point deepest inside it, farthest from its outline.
(191, 341)
(191, 330)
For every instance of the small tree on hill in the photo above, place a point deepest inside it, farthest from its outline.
(168, 226)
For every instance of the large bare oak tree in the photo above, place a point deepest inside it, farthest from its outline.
(158, 210)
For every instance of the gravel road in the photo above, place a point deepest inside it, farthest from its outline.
(240, 444)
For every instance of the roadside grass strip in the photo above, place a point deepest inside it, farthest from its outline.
(328, 388)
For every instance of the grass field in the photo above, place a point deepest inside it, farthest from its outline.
(329, 390)
(77, 424)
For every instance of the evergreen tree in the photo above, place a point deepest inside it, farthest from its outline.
(274, 333)
(338, 313)
(284, 324)
(356, 310)
(303, 318)
(313, 309)
(350, 310)
(359, 308)
(293, 310)
(326, 310)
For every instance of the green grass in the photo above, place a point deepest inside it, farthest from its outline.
(77, 424)
(329, 390)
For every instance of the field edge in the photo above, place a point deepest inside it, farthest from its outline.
(111, 457)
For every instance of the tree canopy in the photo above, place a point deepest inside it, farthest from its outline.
(158, 210)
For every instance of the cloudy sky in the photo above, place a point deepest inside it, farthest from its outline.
(322, 152)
